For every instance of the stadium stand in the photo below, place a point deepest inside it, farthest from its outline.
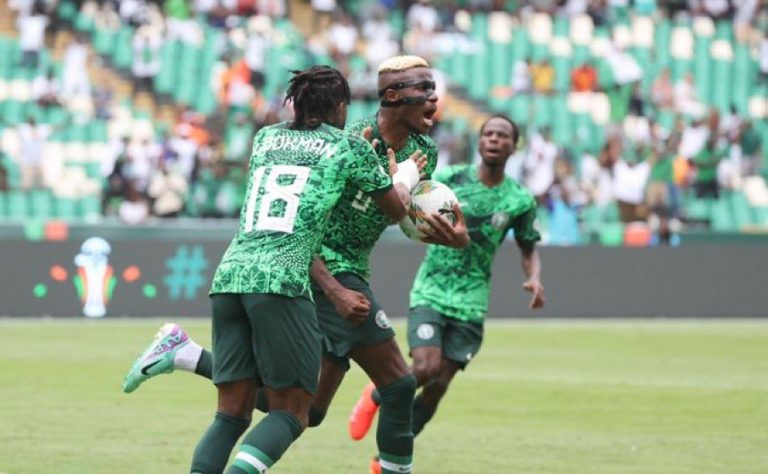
(633, 113)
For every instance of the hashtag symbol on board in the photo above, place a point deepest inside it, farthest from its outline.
(185, 275)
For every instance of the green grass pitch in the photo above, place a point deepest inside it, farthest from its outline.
(541, 397)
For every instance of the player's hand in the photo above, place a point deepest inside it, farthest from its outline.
(418, 156)
(537, 293)
(351, 305)
(440, 231)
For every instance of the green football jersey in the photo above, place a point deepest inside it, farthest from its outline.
(356, 221)
(295, 179)
(457, 282)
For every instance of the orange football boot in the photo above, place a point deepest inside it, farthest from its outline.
(363, 413)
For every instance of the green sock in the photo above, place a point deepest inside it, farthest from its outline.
(393, 434)
(421, 414)
(204, 366)
(376, 397)
(214, 448)
(265, 443)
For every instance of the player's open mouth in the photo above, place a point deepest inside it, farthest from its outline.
(428, 117)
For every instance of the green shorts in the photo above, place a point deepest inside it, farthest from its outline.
(270, 338)
(459, 340)
(339, 335)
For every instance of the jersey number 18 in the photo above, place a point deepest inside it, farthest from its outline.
(275, 191)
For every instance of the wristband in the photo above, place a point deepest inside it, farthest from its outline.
(407, 174)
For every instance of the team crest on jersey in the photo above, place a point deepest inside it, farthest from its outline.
(425, 331)
(499, 220)
(382, 320)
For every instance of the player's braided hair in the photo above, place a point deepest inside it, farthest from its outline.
(316, 93)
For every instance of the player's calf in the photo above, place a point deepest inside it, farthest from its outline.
(394, 436)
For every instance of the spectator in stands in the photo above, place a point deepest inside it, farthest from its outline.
(686, 101)
(662, 91)
(75, 79)
(543, 77)
(323, 13)
(3, 173)
(763, 58)
(142, 158)
(597, 175)
(539, 165)
(238, 139)
(573, 8)
(661, 194)
(133, 209)
(637, 101)
(116, 178)
(706, 162)
(363, 83)
(147, 43)
(257, 49)
(749, 141)
(168, 190)
(45, 90)
(422, 15)
(185, 149)
(630, 176)
(32, 140)
(343, 37)
(380, 40)
(584, 78)
(597, 10)
(181, 26)
(32, 35)
(520, 80)
(742, 19)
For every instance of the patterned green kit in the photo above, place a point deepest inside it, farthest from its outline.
(295, 179)
(357, 222)
(456, 282)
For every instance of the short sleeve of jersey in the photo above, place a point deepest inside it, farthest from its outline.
(524, 226)
(366, 172)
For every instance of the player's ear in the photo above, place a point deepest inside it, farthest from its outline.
(341, 114)
(391, 95)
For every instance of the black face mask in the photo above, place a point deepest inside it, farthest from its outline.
(424, 85)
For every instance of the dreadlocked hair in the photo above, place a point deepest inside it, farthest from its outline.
(316, 93)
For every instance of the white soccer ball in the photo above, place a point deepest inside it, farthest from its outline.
(427, 198)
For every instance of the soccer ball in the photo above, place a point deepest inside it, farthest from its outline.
(428, 197)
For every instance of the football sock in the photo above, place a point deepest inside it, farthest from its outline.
(214, 448)
(393, 435)
(421, 414)
(204, 365)
(187, 356)
(265, 443)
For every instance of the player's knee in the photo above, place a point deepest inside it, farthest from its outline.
(398, 395)
(315, 417)
(425, 370)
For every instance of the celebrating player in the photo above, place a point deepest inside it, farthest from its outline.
(449, 298)
(352, 322)
(265, 330)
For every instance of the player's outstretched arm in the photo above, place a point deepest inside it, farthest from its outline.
(351, 305)
(439, 231)
(532, 268)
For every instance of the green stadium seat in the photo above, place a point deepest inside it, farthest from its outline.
(612, 234)
(18, 207)
(66, 208)
(41, 203)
